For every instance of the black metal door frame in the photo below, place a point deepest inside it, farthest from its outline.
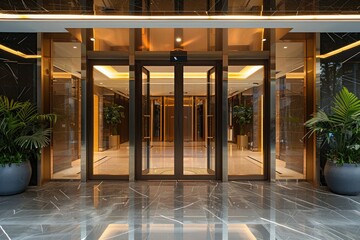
(178, 134)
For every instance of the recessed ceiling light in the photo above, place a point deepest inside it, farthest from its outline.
(74, 46)
(101, 83)
(92, 39)
(285, 47)
(178, 39)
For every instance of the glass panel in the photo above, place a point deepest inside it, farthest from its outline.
(158, 120)
(211, 123)
(145, 121)
(245, 127)
(111, 120)
(195, 111)
(290, 111)
(65, 102)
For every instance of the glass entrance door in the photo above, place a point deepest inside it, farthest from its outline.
(158, 131)
(177, 122)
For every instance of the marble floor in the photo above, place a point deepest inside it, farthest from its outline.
(178, 210)
(240, 162)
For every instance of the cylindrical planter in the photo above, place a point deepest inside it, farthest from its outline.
(242, 141)
(114, 141)
(343, 179)
(15, 178)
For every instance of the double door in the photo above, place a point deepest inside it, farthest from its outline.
(176, 121)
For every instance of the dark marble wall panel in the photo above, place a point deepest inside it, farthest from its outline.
(341, 70)
(17, 74)
(316, 6)
(47, 6)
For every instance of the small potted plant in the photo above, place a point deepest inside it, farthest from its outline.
(23, 133)
(243, 116)
(113, 115)
(340, 132)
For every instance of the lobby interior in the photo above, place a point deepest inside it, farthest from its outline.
(179, 168)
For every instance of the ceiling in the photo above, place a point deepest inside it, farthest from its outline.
(60, 23)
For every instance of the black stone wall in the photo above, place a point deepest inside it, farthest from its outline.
(340, 70)
(18, 76)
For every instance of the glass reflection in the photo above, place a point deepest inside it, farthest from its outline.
(111, 120)
(245, 128)
(65, 103)
(290, 111)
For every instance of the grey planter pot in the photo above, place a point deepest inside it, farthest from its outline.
(343, 179)
(14, 179)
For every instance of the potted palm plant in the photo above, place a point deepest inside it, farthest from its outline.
(243, 116)
(340, 131)
(113, 114)
(23, 133)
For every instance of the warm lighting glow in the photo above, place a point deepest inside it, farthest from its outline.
(111, 73)
(245, 72)
(295, 75)
(339, 50)
(242, 230)
(18, 53)
(92, 39)
(285, 47)
(114, 230)
(178, 39)
(61, 75)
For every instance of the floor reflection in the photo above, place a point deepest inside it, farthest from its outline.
(178, 210)
(240, 162)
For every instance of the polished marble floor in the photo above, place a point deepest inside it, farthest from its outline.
(178, 210)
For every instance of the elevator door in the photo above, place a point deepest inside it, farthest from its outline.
(178, 122)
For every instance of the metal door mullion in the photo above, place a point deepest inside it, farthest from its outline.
(178, 114)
